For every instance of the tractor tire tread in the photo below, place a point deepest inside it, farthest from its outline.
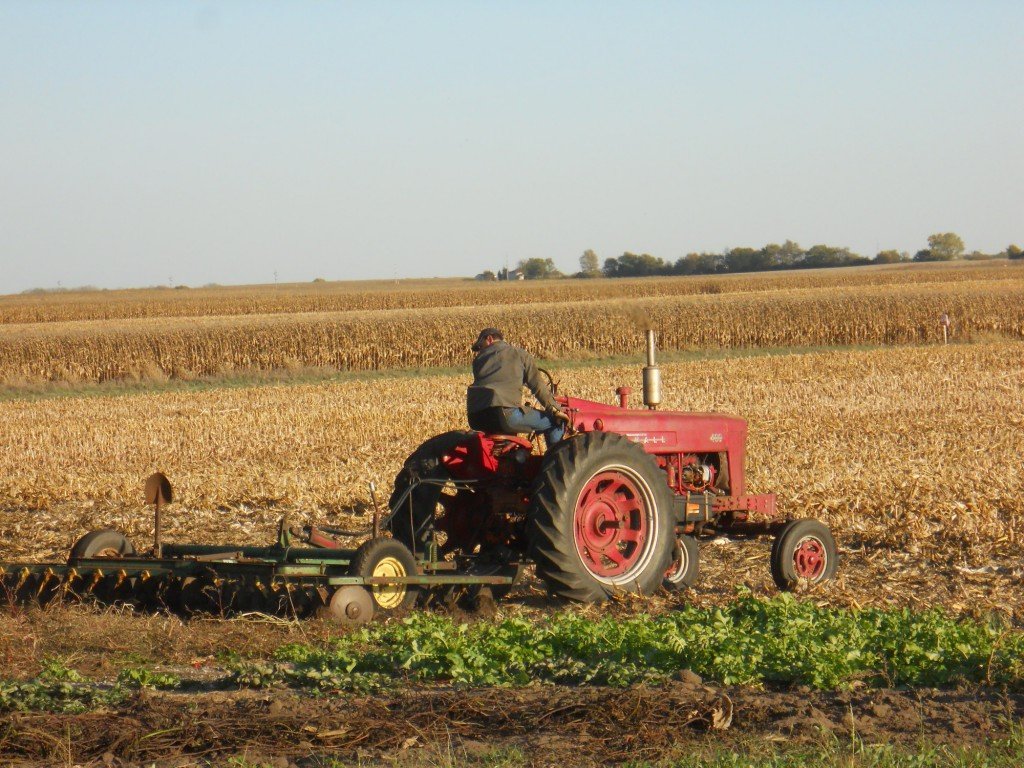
(425, 461)
(552, 515)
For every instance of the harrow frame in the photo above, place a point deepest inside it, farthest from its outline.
(320, 572)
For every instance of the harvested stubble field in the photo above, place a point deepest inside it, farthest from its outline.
(912, 455)
(556, 320)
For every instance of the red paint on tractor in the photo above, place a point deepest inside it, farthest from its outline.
(677, 438)
(809, 559)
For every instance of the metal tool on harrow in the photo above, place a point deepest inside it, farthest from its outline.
(617, 506)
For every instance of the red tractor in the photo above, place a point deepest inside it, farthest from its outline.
(617, 505)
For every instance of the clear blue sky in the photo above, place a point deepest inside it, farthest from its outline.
(221, 142)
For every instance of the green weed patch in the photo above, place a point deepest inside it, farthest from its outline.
(752, 642)
(755, 642)
(58, 688)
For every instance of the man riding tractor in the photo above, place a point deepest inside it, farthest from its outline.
(494, 401)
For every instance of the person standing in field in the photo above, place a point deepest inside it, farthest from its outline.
(494, 401)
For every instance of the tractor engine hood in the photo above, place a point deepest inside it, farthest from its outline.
(660, 432)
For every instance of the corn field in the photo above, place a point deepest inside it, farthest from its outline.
(911, 451)
(319, 296)
(915, 449)
(189, 347)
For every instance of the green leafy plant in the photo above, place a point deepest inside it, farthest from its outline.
(750, 642)
(141, 677)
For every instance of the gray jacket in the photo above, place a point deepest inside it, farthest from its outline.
(499, 373)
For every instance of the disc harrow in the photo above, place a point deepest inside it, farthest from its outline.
(306, 572)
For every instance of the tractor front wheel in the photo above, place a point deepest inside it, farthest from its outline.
(601, 519)
(685, 567)
(803, 551)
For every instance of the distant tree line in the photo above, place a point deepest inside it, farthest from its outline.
(773, 256)
(944, 246)
(941, 247)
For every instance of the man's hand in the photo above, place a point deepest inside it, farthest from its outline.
(557, 414)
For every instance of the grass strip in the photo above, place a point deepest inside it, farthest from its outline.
(299, 376)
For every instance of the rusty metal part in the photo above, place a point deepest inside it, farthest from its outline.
(317, 537)
(158, 492)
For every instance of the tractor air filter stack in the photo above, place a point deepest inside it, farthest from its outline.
(652, 376)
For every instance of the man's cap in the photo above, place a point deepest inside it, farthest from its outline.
(479, 343)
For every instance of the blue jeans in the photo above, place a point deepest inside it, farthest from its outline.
(532, 420)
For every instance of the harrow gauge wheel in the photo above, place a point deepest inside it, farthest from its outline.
(386, 558)
(803, 551)
(102, 543)
(685, 567)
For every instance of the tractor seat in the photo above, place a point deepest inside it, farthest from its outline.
(505, 443)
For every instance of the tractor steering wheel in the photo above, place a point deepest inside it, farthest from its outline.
(552, 384)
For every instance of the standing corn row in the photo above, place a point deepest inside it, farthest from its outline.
(438, 337)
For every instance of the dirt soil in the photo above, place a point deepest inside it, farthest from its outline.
(428, 726)
(548, 725)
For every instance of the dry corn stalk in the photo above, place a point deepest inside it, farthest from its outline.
(155, 348)
(914, 448)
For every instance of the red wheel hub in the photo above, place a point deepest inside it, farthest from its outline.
(809, 558)
(611, 524)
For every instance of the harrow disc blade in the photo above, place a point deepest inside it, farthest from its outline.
(199, 594)
(49, 588)
(349, 605)
(151, 591)
(115, 588)
(298, 600)
(27, 587)
(276, 601)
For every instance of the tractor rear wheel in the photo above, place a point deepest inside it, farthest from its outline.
(383, 558)
(601, 519)
(803, 551)
(413, 523)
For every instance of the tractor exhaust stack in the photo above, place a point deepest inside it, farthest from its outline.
(652, 376)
